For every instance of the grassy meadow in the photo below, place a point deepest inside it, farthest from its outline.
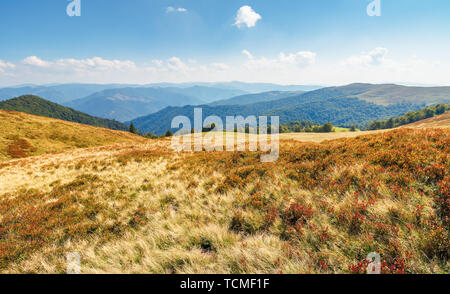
(23, 135)
(139, 207)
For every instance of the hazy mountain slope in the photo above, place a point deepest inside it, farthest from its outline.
(56, 93)
(38, 106)
(246, 87)
(388, 94)
(339, 111)
(255, 98)
(207, 94)
(127, 103)
(23, 135)
(346, 105)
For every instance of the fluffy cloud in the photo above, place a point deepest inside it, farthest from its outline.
(246, 16)
(374, 66)
(297, 60)
(173, 9)
(96, 63)
(35, 61)
(375, 57)
(175, 64)
(6, 65)
(90, 64)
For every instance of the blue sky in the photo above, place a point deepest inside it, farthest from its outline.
(285, 41)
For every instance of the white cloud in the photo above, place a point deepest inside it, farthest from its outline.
(175, 64)
(249, 55)
(301, 58)
(220, 66)
(158, 62)
(95, 63)
(375, 57)
(297, 60)
(35, 61)
(374, 66)
(71, 64)
(6, 65)
(246, 16)
(173, 9)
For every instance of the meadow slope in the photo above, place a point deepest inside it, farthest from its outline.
(321, 208)
(23, 135)
(440, 121)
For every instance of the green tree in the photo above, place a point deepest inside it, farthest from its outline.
(353, 128)
(390, 123)
(327, 128)
(133, 129)
(440, 109)
(151, 136)
(168, 134)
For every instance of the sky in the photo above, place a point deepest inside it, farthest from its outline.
(307, 42)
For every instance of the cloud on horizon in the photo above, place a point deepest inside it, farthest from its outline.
(301, 67)
(300, 59)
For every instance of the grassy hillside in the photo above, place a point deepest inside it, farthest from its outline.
(392, 94)
(439, 121)
(321, 208)
(23, 135)
(38, 106)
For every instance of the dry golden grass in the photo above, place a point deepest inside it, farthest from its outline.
(141, 208)
(23, 135)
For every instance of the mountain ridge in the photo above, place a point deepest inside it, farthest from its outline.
(38, 106)
(344, 105)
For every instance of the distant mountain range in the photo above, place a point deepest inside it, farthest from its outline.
(125, 102)
(35, 105)
(128, 103)
(206, 94)
(252, 88)
(255, 98)
(346, 105)
(155, 103)
(56, 93)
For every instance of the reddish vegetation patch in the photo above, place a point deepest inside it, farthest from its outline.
(20, 148)
(32, 220)
(408, 166)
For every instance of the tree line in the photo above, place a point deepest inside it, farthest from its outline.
(409, 117)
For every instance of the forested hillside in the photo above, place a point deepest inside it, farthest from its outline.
(35, 105)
